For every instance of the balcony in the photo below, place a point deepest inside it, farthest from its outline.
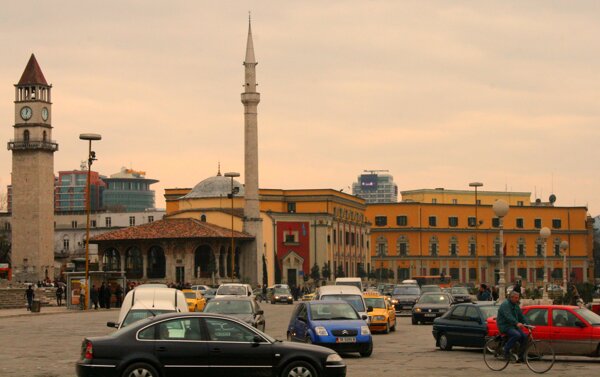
(50, 146)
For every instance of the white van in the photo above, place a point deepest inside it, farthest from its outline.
(144, 302)
(348, 293)
(356, 282)
(234, 289)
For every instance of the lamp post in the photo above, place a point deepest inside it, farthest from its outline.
(564, 245)
(476, 185)
(91, 159)
(500, 208)
(544, 234)
(231, 195)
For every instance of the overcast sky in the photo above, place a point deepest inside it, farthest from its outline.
(440, 93)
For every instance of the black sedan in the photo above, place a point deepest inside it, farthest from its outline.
(460, 294)
(276, 295)
(430, 306)
(464, 325)
(243, 308)
(188, 344)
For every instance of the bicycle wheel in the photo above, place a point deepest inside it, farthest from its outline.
(493, 355)
(539, 356)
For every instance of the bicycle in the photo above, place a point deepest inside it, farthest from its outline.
(539, 354)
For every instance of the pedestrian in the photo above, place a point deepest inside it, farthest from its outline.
(517, 287)
(29, 294)
(101, 291)
(107, 294)
(94, 297)
(119, 295)
(484, 294)
(59, 294)
(495, 293)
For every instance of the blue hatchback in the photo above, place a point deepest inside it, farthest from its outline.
(332, 324)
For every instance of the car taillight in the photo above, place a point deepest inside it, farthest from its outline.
(89, 351)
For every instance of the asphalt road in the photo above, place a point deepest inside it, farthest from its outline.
(49, 345)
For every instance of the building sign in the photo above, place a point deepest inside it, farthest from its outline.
(3, 265)
(368, 182)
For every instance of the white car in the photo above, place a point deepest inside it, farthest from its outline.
(234, 289)
(200, 287)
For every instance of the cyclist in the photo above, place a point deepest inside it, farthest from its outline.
(510, 321)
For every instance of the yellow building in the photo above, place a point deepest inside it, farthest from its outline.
(301, 228)
(462, 240)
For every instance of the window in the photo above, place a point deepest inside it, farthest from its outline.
(539, 273)
(131, 220)
(151, 219)
(538, 249)
(520, 203)
(472, 273)
(402, 249)
(434, 200)
(522, 272)
(74, 224)
(433, 247)
(180, 329)
(496, 222)
(556, 223)
(453, 221)
(519, 223)
(291, 207)
(557, 247)
(455, 274)
(334, 236)
(471, 221)
(537, 223)
(454, 201)
(328, 238)
(537, 317)
(402, 220)
(478, 202)
(453, 247)
(432, 221)
(290, 236)
(108, 222)
(521, 247)
(66, 243)
(93, 223)
(563, 318)
(472, 250)
(381, 220)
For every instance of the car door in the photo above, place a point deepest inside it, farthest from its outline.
(474, 327)
(538, 317)
(569, 338)
(300, 326)
(236, 350)
(391, 312)
(454, 325)
(180, 346)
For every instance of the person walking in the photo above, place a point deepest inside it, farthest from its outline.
(29, 294)
(484, 294)
(101, 291)
(119, 295)
(107, 294)
(510, 321)
(517, 287)
(59, 294)
(94, 297)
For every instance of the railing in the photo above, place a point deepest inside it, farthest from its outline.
(51, 146)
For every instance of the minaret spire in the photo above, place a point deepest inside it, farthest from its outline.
(250, 59)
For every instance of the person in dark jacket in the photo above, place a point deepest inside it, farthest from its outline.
(101, 292)
(94, 297)
(484, 294)
(29, 294)
(510, 321)
(517, 287)
(107, 295)
(59, 294)
(119, 295)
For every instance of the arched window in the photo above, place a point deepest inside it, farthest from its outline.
(66, 243)
(134, 265)
(202, 262)
(26, 136)
(453, 246)
(203, 218)
(433, 246)
(156, 263)
(111, 260)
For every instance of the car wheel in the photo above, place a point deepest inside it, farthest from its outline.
(140, 370)
(393, 328)
(414, 321)
(299, 369)
(444, 343)
(368, 351)
(387, 328)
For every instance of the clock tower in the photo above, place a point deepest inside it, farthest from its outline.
(32, 219)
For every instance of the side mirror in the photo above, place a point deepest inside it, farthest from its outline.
(369, 309)
(580, 324)
(364, 317)
(260, 312)
(112, 324)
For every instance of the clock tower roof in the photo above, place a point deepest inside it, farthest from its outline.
(33, 73)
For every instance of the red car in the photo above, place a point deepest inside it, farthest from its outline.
(570, 329)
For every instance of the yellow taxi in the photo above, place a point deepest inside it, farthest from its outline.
(383, 316)
(194, 299)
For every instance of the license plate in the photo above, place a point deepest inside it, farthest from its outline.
(346, 339)
(406, 307)
(430, 315)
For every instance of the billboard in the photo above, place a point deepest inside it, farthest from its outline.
(368, 182)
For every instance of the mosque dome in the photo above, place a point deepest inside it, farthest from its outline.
(214, 187)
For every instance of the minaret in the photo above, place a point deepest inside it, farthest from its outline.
(252, 268)
(32, 221)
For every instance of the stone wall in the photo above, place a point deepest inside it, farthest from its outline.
(14, 298)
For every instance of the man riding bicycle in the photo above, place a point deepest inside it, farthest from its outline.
(510, 321)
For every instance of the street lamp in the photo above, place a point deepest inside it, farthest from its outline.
(544, 234)
(564, 245)
(231, 195)
(476, 185)
(91, 159)
(500, 208)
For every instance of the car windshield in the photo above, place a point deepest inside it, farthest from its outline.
(375, 302)
(489, 311)
(228, 307)
(231, 290)
(433, 299)
(460, 291)
(190, 295)
(138, 314)
(430, 288)
(401, 291)
(281, 291)
(330, 311)
(590, 316)
(354, 300)
(210, 292)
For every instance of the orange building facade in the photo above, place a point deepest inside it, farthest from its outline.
(462, 241)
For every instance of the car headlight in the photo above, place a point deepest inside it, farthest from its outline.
(364, 330)
(394, 302)
(379, 318)
(334, 358)
(276, 297)
(321, 331)
(418, 310)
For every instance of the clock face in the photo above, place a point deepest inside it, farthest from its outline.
(45, 114)
(26, 113)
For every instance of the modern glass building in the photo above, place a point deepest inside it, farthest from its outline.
(375, 187)
(128, 191)
(70, 191)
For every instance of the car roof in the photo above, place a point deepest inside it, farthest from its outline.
(551, 306)
(232, 298)
(373, 295)
(339, 289)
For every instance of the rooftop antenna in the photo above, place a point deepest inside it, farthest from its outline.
(219, 169)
